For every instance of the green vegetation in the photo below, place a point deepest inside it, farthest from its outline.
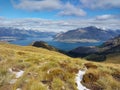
(95, 57)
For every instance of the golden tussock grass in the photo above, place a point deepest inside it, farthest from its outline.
(45, 69)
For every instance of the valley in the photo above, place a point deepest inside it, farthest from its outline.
(59, 44)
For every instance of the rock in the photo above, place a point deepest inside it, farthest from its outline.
(43, 45)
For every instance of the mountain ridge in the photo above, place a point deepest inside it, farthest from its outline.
(112, 46)
(10, 34)
(87, 34)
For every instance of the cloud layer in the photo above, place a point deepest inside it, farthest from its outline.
(60, 25)
(106, 4)
(69, 10)
(107, 17)
(65, 9)
(37, 5)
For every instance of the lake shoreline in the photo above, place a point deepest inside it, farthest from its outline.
(66, 46)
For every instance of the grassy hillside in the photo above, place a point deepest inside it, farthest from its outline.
(113, 58)
(49, 70)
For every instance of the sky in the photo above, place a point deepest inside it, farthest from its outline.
(59, 15)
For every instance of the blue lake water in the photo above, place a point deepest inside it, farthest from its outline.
(60, 45)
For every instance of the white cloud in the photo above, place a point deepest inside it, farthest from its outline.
(47, 5)
(58, 25)
(70, 10)
(101, 3)
(106, 17)
(37, 5)
(2, 18)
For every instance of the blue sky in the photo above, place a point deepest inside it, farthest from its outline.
(71, 12)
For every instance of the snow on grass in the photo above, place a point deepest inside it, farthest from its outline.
(13, 81)
(78, 80)
(17, 74)
(18, 89)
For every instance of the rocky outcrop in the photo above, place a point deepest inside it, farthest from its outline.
(43, 44)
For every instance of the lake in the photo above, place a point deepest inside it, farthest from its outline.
(60, 45)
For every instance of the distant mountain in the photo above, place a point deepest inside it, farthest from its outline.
(99, 53)
(111, 46)
(87, 34)
(12, 33)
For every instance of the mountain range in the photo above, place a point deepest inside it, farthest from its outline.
(9, 33)
(87, 34)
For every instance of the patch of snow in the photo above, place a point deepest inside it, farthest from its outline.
(48, 71)
(78, 80)
(17, 74)
(18, 89)
(10, 70)
(13, 81)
